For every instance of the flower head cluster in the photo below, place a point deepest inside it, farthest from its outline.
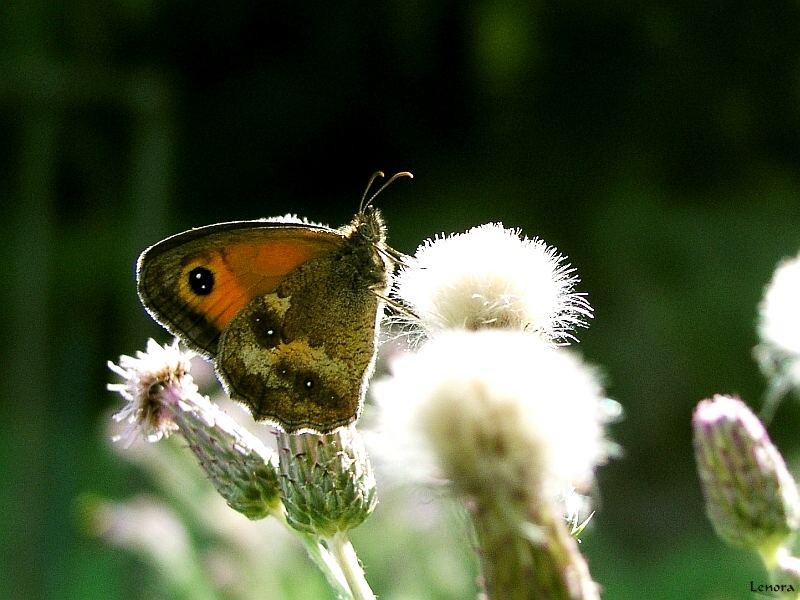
(322, 485)
(489, 399)
(492, 404)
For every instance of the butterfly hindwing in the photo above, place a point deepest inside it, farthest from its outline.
(301, 355)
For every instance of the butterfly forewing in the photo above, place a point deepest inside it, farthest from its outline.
(194, 283)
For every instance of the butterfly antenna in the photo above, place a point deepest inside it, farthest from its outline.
(365, 203)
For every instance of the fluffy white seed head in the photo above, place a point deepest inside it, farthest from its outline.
(490, 277)
(495, 410)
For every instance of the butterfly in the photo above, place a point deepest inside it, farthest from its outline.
(289, 312)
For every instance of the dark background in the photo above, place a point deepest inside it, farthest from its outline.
(654, 144)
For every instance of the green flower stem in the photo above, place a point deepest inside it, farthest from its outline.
(779, 385)
(328, 565)
(345, 555)
(323, 558)
(784, 570)
(531, 558)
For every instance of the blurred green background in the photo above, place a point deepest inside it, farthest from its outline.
(657, 145)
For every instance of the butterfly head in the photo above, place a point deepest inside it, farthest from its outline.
(368, 223)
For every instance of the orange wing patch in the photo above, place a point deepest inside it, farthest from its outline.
(242, 272)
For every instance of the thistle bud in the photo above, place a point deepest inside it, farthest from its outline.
(751, 499)
(326, 481)
(240, 467)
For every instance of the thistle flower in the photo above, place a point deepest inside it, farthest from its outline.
(162, 398)
(491, 404)
(751, 498)
(148, 379)
(492, 277)
(497, 409)
(779, 319)
(513, 423)
(778, 354)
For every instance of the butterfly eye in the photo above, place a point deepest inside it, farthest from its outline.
(308, 384)
(201, 280)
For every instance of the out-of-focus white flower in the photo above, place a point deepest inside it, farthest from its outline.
(490, 277)
(495, 410)
(143, 524)
(153, 377)
(491, 404)
(779, 318)
(778, 352)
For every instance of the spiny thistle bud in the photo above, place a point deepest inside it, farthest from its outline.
(162, 398)
(326, 480)
(751, 498)
(242, 469)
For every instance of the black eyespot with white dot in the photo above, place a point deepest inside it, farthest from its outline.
(266, 329)
(312, 389)
(201, 280)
